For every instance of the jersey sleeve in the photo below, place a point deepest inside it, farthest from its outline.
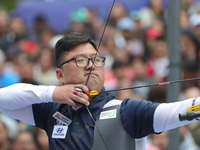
(166, 116)
(21, 95)
(16, 100)
(137, 117)
(43, 114)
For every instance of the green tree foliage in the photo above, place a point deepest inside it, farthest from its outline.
(8, 4)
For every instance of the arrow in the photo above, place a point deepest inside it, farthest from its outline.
(94, 92)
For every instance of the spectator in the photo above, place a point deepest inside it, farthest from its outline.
(11, 125)
(27, 70)
(95, 22)
(119, 11)
(140, 77)
(158, 141)
(41, 139)
(17, 31)
(190, 57)
(184, 20)
(5, 143)
(7, 77)
(157, 65)
(4, 22)
(24, 141)
(195, 23)
(135, 15)
(155, 10)
(39, 24)
(45, 36)
(44, 70)
(80, 22)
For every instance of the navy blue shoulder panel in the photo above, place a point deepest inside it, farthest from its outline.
(137, 117)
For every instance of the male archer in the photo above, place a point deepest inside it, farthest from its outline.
(102, 122)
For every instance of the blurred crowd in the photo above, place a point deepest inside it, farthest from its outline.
(135, 46)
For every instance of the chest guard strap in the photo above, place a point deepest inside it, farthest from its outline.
(111, 130)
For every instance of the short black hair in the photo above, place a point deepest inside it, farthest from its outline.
(68, 42)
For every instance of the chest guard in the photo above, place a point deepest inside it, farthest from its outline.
(109, 133)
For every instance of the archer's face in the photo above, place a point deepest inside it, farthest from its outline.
(69, 73)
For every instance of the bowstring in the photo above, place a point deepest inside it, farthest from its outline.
(107, 20)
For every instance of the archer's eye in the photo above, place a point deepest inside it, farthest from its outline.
(80, 59)
(97, 59)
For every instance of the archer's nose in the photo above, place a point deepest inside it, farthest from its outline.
(90, 65)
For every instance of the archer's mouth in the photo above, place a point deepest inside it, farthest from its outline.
(91, 74)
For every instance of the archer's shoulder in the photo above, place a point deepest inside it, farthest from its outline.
(46, 107)
(138, 103)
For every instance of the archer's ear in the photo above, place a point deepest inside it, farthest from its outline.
(59, 75)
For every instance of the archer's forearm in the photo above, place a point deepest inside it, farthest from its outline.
(18, 96)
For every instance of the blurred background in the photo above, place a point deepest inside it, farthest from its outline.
(135, 44)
